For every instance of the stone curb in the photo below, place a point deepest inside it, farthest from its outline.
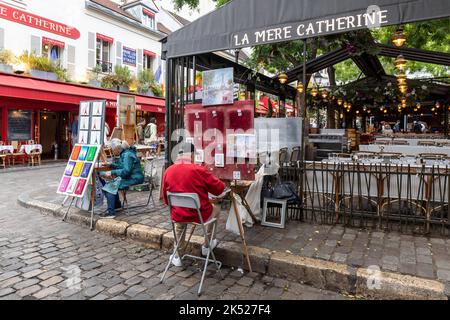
(318, 273)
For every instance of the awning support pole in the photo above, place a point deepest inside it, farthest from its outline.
(303, 152)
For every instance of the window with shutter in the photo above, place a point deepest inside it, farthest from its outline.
(36, 45)
(91, 50)
(71, 61)
(119, 53)
(140, 58)
(2, 38)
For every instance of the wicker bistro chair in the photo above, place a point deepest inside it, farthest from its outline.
(17, 154)
(192, 201)
(382, 142)
(400, 142)
(283, 156)
(426, 143)
(5, 158)
(295, 155)
(403, 195)
(35, 157)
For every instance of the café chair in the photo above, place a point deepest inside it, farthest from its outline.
(400, 142)
(5, 158)
(426, 143)
(35, 157)
(192, 201)
(18, 154)
(283, 156)
(295, 155)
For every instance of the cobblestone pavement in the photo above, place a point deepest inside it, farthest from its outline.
(44, 258)
(391, 251)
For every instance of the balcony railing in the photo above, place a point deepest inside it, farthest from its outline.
(105, 66)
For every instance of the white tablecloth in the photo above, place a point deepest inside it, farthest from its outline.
(27, 148)
(9, 148)
(413, 142)
(407, 150)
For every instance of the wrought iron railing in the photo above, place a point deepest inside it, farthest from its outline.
(105, 66)
(405, 198)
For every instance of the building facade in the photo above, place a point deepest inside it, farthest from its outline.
(82, 36)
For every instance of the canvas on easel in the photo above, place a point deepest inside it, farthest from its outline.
(91, 124)
(78, 170)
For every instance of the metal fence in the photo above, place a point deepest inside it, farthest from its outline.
(406, 198)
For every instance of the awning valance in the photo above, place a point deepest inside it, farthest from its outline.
(53, 42)
(149, 54)
(105, 38)
(148, 12)
(245, 23)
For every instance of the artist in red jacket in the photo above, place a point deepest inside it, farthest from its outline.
(184, 176)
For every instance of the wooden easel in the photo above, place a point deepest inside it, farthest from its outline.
(241, 229)
(129, 128)
(230, 196)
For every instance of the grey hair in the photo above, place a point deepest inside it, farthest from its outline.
(115, 144)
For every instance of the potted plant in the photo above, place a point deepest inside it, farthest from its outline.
(123, 77)
(119, 80)
(145, 82)
(94, 75)
(40, 67)
(157, 90)
(6, 59)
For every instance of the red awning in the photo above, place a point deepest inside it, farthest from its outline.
(148, 12)
(149, 53)
(33, 89)
(105, 38)
(53, 42)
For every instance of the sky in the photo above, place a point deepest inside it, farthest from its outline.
(205, 7)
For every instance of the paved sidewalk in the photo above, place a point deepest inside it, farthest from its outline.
(40, 257)
(401, 253)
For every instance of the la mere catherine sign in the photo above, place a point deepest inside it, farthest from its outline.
(34, 21)
(373, 17)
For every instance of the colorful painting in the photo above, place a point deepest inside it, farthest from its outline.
(72, 185)
(78, 168)
(75, 152)
(83, 153)
(64, 184)
(80, 186)
(77, 173)
(217, 87)
(91, 154)
(69, 168)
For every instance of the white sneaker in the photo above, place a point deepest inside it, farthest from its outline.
(176, 261)
(213, 244)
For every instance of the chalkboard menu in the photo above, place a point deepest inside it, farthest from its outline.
(19, 125)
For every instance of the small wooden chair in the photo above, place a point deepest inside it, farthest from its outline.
(35, 157)
(5, 158)
(17, 154)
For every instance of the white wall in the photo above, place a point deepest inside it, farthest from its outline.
(73, 13)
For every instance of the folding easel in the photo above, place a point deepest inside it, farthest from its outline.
(94, 172)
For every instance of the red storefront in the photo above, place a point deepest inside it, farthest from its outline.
(43, 110)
